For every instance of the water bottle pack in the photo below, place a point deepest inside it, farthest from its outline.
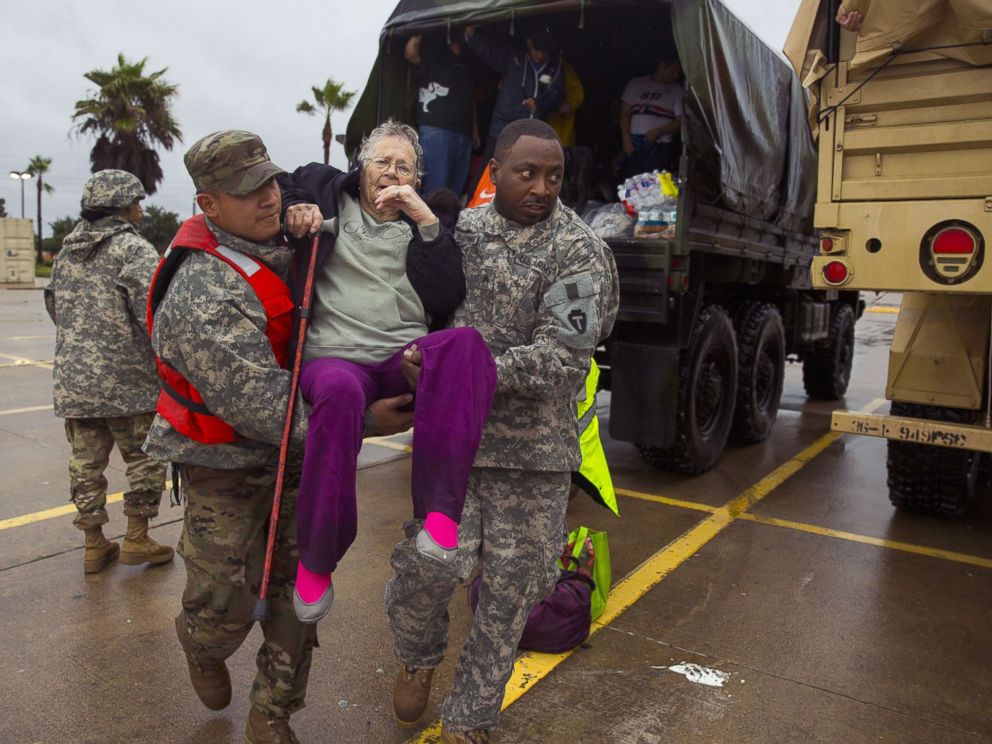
(654, 196)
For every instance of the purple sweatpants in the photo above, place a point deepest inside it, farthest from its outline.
(453, 399)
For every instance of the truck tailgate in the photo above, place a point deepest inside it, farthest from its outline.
(917, 130)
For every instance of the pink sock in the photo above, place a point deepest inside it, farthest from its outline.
(442, 529)
(309, 585)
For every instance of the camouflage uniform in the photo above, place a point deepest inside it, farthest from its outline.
(542, 297)
(104, 381)
(210, 326)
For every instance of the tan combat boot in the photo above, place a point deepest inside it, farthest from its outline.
(100, 552)
(475, 736)
(212, 684)
(411, 695)
(138, 548)
(265, 729)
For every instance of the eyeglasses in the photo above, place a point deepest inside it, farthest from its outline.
(382, 165)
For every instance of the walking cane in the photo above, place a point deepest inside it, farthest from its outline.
(261, 611)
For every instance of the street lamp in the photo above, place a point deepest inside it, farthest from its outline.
(23, 176)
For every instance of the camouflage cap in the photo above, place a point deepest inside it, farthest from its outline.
(231, 161)
(111, 189)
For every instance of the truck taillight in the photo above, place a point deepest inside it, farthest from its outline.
(836, 272)
(954, 241)
(833, 243)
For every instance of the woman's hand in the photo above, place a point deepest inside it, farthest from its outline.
(405, 198)
(303, 219)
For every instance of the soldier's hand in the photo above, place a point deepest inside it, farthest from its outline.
(531, 104)
(410, 365)
(851, 21)
(387, 420)
(303, 219)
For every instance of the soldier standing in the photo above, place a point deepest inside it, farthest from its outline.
(221, 316)
(542, 291)
(105, 384)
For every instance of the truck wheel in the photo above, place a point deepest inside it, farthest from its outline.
(937, 481)
(707, 393)
(827, 365)
(760, 371)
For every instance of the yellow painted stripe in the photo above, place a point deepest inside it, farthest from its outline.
(947, 555)
(530, 668)
(388, 444)
(24, 361)
(882, 309)
(58, 511)
(667, 501)
(28, 338)
(30, 409)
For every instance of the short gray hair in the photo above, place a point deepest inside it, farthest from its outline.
(393, 128)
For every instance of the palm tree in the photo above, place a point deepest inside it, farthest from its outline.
(130, 114)
(329, 98)
(38, 167)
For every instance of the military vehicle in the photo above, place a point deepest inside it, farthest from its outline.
(709, 317)
(903, 109)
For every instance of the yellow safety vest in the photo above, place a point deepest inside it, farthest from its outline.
(594, 474)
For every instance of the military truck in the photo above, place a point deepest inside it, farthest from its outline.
(904, 203)
(709, 318)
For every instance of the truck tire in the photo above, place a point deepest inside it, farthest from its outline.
(936, 481)
(827, 365)
(707, 394)
(760, 371)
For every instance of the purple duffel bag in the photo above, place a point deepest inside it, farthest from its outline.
(560, 621)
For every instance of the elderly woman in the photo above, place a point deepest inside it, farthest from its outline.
(390, 275)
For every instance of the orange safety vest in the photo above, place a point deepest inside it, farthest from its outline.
(485, 192)
(179, 402)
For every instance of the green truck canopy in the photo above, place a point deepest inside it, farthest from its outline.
(745, 125)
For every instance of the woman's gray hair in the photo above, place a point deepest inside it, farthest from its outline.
(393, 128)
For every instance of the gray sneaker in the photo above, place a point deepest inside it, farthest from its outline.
(427, 546)
(307, 612)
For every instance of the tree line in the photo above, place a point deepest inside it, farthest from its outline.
(129, 114)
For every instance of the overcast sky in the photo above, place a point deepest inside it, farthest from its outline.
(238, 65)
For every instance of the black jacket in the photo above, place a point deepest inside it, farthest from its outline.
(434, 268)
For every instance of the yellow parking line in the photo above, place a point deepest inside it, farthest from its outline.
(58, 511)
(666, 500)
(22, 360)
(530, 667)
(10, 411)
(947, 555)
(882, 309)
(384, 442)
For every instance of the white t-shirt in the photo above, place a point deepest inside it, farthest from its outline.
(652, 104)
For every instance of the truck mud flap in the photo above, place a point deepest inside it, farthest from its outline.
(645, 391)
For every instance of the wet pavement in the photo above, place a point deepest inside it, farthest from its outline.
(777, 598)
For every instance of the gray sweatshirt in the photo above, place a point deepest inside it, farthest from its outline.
(365, 309)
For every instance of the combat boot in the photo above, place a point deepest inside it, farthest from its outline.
(475, 736)
(411, 695)
(138, 548)
(100, 552)
(212, 684)
(263, 728)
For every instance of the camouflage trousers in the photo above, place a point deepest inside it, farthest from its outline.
(223, 544)
(513, 522)
(91, 440)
